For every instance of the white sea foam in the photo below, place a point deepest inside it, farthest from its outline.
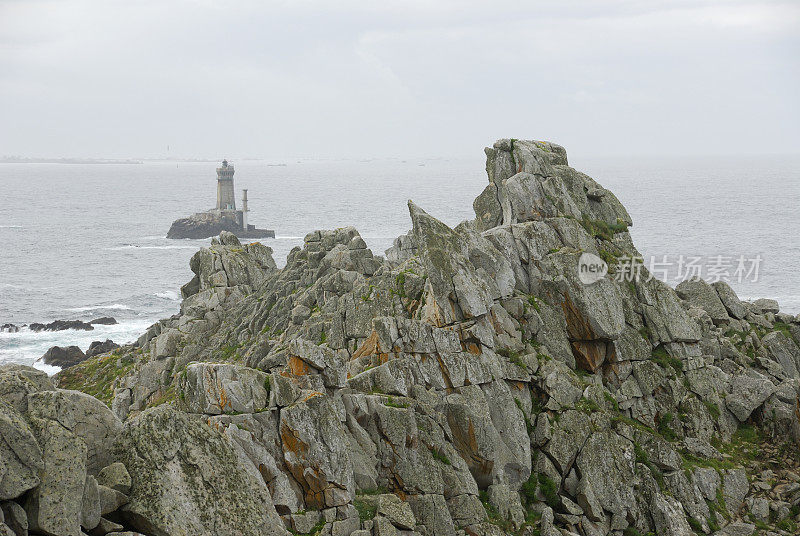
(111, 307)
(134, 246)
(169, 295)
(27, 346)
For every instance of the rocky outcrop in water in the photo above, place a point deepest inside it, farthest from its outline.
(212, 223)
(63, 356)
(468, 383)
(61, 325)
(104, 321)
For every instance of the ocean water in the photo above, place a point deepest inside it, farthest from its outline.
(87, 240)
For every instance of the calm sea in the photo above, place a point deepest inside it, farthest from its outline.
(87, 240)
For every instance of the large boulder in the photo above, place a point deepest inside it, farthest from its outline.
(730, 300)
(784, 351)
(456, 288)
(488, 434)
(315, 450)
(18, 381)
(20, 456)
(187, 480)
(56, 505)
(766, 305)
(665, 318)
(227, 263)
(76, 433)
(84, 416)
(606, 465)
(63, 357)
(748, 391)
(699, 293)
(216, 388)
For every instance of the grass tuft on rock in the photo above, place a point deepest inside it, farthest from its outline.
(664, 360)
(549, 489)
(366, 508)
(97, 376)
(439, 456)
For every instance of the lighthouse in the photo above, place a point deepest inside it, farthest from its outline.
(224, 217)
(225, 195)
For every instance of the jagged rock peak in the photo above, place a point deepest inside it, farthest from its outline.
(530, 180)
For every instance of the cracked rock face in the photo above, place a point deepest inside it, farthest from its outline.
(468, 383)
(187, 480)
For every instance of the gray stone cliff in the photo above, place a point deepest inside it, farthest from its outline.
(467, 384)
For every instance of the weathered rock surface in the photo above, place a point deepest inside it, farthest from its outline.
(221, 388)
(698, 292)
(469, 383)
(186, 480)
(20, 455)
(51, 443)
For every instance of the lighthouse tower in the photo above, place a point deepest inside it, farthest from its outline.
(225, 195)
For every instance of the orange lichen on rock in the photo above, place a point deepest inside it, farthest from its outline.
(311, 395)
(589, 355)
(578, 326)
(466, 443)
(297, 366)
(371, 346)
(589, 350)
(291, 441)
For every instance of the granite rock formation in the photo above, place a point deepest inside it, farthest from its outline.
(467, 384)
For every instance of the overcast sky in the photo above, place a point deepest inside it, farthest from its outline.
(114, 78)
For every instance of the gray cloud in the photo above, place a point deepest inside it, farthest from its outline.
(306, 79)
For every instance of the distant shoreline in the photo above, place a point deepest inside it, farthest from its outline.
(24, 160)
